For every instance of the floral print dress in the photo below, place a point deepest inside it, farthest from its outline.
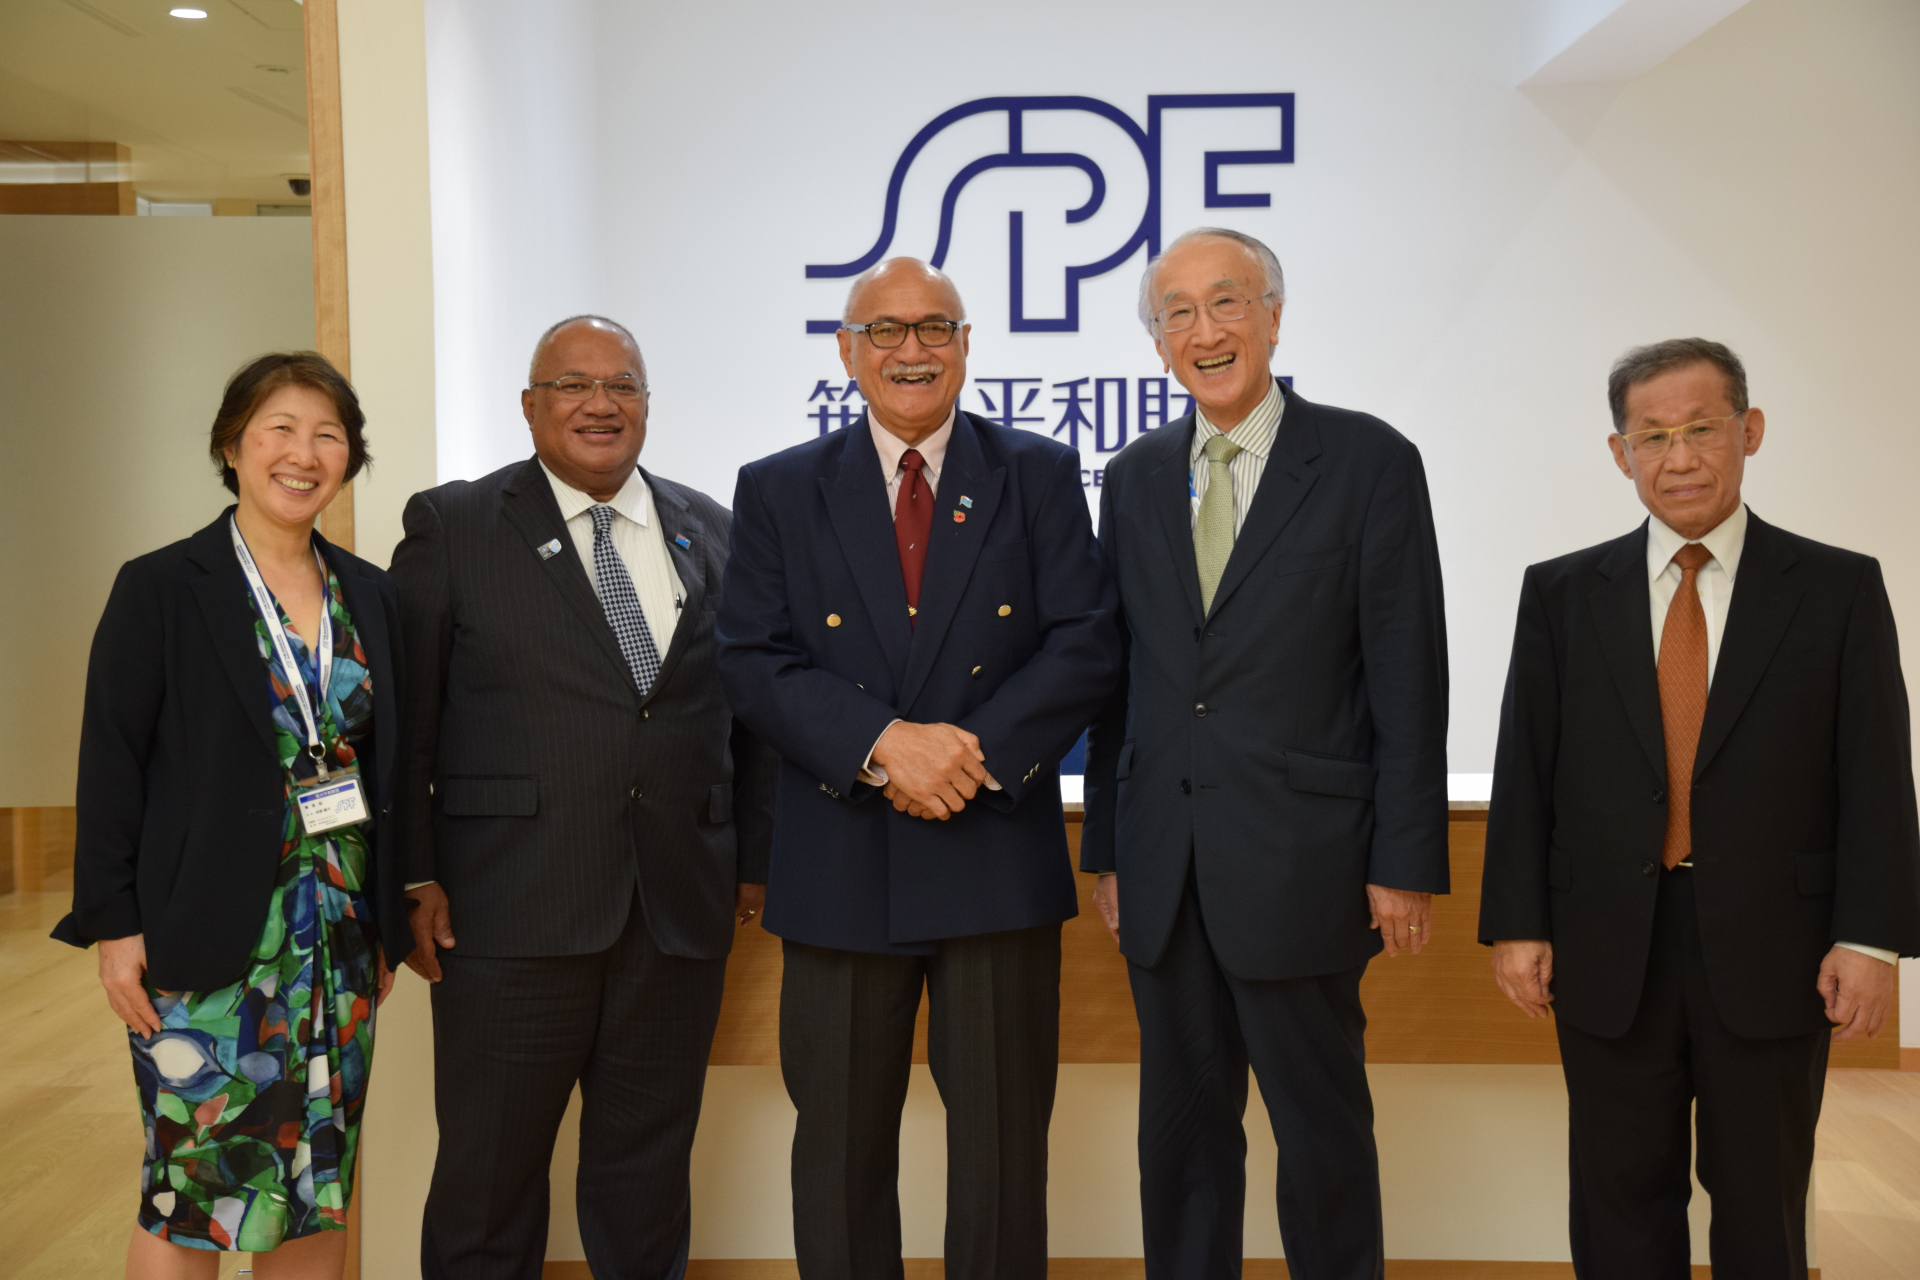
(252, 1094)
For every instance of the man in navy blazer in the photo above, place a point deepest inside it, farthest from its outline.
(1268, 787)
(916, 617)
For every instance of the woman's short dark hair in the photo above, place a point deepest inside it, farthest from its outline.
(1643, 364)
(259, 379)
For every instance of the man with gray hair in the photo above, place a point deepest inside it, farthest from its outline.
(1268, 785)
(1703, 854)
(582, 821)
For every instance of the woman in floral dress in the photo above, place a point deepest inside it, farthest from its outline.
(239, 699)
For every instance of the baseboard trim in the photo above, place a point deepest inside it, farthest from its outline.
(1910, 1059)
(1124, 1269)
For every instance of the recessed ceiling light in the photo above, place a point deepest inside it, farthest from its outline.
(187, 13)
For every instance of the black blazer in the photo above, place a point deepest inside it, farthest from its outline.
(1804, 828)
(537, 786)
(1014, 642)
(182, 799)
(1292, 744)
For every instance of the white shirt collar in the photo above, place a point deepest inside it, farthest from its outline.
(1725, 540)
(1255, 433)
(933, 450)
(634, 501)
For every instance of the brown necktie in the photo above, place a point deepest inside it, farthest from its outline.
(1683, 698)
(912, 524)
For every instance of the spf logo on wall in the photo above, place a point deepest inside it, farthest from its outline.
(1125, 174)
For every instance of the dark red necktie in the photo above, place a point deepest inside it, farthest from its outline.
(912, 523)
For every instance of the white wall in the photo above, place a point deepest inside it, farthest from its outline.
(117, 336)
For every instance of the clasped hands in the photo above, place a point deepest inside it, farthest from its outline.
(931, 770)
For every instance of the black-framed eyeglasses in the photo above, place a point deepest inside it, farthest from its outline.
(887, 334)
(577, 386)
(1223, 307)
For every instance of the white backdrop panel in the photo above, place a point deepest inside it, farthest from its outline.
(1464, 258)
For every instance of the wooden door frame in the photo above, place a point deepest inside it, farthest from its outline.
(326, 171)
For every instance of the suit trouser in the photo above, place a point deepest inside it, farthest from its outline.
(633, 1026)
(1633, 1099)
(1305, 1037)
(846, 1050)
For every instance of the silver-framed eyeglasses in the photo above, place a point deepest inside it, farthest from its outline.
(1708, 435)
(577, 386)
(1223, 307)
(887, 334)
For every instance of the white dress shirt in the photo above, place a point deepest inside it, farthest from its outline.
(637, 540)
(1715, 583)
(1255, 436)
(933, 455)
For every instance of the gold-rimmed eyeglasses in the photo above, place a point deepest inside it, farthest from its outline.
(1223, 307)
(887, 334)
(577, 386)
(1708, 435)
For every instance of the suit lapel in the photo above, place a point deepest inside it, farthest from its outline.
(856, 501)
(223, 598)
(1284, 485)
(1172, 493)
(676, 522)
(1623, 617)
(1765, 598)
(528, 504)
(952, 547)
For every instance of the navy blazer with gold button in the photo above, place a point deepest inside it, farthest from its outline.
(1014, 641)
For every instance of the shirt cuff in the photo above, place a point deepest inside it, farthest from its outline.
(1878, 953)
(417, 883)
(870, 773)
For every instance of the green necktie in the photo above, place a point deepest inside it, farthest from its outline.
(1213, 531)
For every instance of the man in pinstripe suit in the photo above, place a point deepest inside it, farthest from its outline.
(581, 812)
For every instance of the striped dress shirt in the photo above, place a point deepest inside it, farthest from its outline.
(1255, 436)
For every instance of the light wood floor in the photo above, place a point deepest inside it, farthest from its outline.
(70, 1139)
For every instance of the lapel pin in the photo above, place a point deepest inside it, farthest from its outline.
(965, 501)
(959, 517)
(548, 550)
(684, 544)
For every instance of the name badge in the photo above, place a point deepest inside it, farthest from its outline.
(335, 803)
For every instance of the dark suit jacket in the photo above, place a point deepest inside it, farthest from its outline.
(537, 785)
(1803, 804)
(1291, 744)
(1014, 642)
(182, 799)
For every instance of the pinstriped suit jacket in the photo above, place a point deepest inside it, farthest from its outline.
(536, 784)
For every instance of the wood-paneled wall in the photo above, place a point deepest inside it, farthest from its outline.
(36, 848)
(1439, 1006)
(107, 186)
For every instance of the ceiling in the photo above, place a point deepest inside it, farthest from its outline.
(213, 108)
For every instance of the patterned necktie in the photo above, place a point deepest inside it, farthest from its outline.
(1683, 698)
(912, 526)
(622, 603)
(1213, 531)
